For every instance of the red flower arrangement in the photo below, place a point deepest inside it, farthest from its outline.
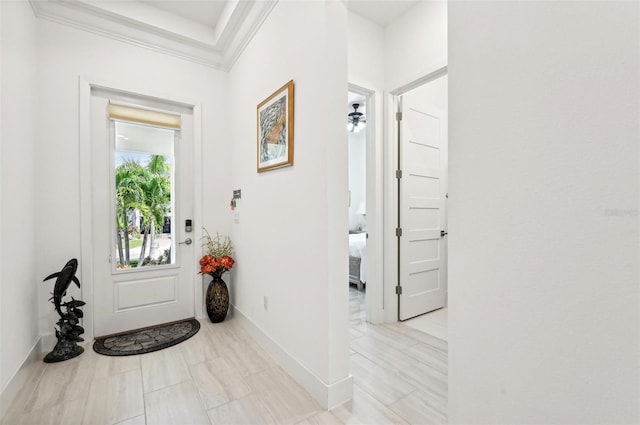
(218, 258)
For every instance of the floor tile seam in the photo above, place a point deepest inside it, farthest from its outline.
(407, 375)
(203, 405)
(144, 401)
(435, 363)
(122, 372)
(262, 409)
(128, 419)
(84, 409)
(429, 394)
(306, 416)
(386, 341)
(378, 371)
(380, 362)
(200, 397)
(393, 366)
(433, 347)
(429, 335)
(417, 357)
(144, 398)
(403, 413)
(387, 404)
(168, 386)
(206, 360)
(434, 366)
(405, 417)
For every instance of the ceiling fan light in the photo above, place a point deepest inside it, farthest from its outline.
(355, 120)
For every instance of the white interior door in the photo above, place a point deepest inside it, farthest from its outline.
(422, 198)
(126, 296)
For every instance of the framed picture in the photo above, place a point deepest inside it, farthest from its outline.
(275, 129)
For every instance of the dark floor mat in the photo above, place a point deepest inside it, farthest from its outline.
(146, 340)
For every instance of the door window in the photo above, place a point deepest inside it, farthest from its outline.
(144, 191)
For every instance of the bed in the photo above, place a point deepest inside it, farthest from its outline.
(358, 259)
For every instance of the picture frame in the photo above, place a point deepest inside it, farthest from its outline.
(275, 130)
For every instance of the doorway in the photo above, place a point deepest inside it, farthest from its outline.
(142, 154)
(366, 203)
(422, 145)
(357, 147)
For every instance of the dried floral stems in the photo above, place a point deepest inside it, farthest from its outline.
(218, 246)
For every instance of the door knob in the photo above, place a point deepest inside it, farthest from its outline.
(187, 241)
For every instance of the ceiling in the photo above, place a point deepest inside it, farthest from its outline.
(382, 12)
(204, 12)
(211, 32)
(207, 12)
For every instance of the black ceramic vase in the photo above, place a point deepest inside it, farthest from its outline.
(217, 299)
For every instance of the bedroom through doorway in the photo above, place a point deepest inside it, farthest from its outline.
(357, 140)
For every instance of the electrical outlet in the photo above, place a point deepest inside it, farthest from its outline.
(266, 307)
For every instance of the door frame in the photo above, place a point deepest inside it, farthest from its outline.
(392, 100)
(86, 267)
(374, 162)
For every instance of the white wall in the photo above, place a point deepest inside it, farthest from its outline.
(18, 272)
(357, 176)
(415, 43)
(544, 236)
(366, 53)
(291, 238)
(435, 93)
(65, 54)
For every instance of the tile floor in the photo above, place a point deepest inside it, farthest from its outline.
(399, 373)
(221, 376)
(434, 323)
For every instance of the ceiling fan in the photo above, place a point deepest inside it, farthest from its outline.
(355, 120)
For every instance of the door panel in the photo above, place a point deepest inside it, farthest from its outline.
(145, 292)
(422, 208)
(127, 297)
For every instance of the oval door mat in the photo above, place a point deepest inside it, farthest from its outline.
(146, 340)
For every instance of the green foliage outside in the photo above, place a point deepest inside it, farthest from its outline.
(148, 190)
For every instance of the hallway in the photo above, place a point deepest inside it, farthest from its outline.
(399, 373)
(221, 376)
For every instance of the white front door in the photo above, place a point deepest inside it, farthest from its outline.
(142, 193)
(422, 198)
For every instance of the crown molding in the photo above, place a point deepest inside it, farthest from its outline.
(147, 27)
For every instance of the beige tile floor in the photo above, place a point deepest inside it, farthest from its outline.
(434, 323)
(221, 376)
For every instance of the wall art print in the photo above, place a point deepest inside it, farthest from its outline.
(275, 129)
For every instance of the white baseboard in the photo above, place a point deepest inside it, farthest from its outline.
(18, 380)
(327, 395)
(47, 342)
